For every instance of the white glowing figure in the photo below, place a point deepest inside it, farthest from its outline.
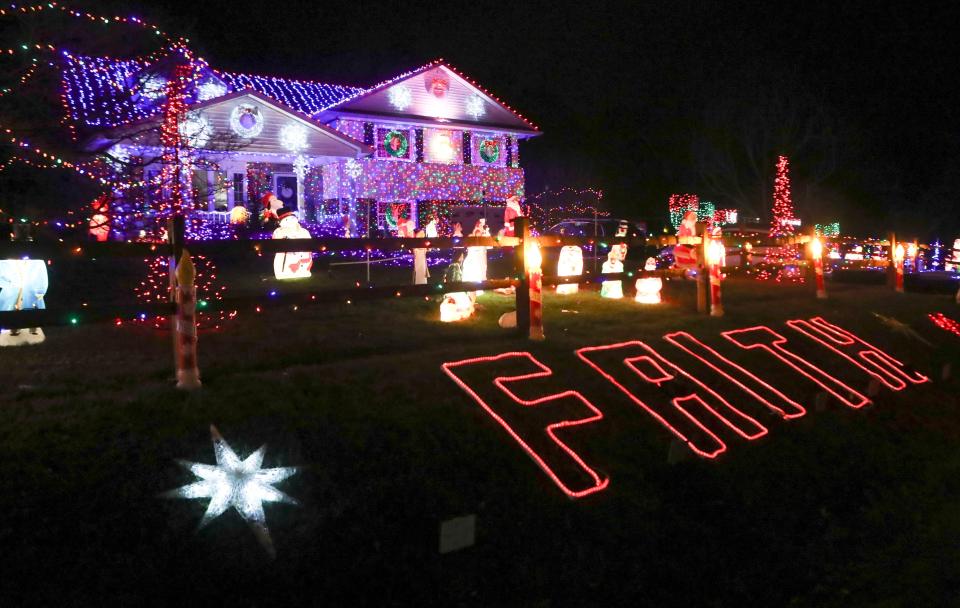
(353, 169)
(295, 264)
(475, 262)
(23, 283)
(241, 484)
(612, 289)
(570, 265)
(648, 288)
(154, 87)
(293, 137)
(118, 156)
(456, 306)
(441, 147)
(430, 230)
(955, 256)
(210, 90)
(196, 129)
(399, 97)
(475, 106)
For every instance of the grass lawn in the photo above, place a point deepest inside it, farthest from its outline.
(838, 507)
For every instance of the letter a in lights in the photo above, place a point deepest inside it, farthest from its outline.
(516, 415)
(686, 406)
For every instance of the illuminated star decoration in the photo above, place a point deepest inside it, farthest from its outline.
(899, 327)
(242, 485)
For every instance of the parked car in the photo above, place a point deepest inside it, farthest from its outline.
(605, 229)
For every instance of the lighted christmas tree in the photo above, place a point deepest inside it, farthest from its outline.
(155, 289)
(782, 223)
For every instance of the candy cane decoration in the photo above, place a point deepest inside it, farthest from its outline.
(188, 374)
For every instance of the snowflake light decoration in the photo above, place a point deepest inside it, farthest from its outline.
(210, 90)
(301, 164)
(293, 137)
(236, 483)
(196, 129)
(353, 168)
(475, 106)
(117, 157)
(400, 97)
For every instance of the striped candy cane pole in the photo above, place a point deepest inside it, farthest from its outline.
(816, 251)
(188, 374)
(898, 255)
(535, 279)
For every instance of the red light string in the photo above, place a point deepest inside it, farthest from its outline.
(704, 397)
(764, 338)
(861, 353)
(572, 487)
(945, 323)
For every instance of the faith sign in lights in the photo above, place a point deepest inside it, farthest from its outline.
(697, 409)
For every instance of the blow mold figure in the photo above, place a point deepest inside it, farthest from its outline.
(648, 288)
(291, 264)
(570, 265)
(612, 289)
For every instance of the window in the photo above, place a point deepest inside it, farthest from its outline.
(238, 188)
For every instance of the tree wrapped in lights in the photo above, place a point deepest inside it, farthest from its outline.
(155, 289)
(783, 221)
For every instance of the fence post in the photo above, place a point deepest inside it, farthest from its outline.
(816, 252)
(522, 230)
(891, 265)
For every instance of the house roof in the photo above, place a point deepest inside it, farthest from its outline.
(101, 93)
(323, 141)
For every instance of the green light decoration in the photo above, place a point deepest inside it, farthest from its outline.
(706, 212)
(489, 150)
(828, 230)
(396, 144)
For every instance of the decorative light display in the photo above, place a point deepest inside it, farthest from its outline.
(765, 339)
(831, 230)
(211, 90)
(489, 149)
(241, 484)
(613, 288)
(866, 356)
(725, 217)
(246, 120)
(679, 204)
(782, 223)
(400, 97)
(291, 265)
(945, 323)
(293, 137)
(154, 87)
(23, 285)
(155, 289)
(392, 142)
(648, 288)
(196, 130)
(352, 168)
(475, 106)
(443, 146)
(706, 212)
(501, 404)
(687, 406)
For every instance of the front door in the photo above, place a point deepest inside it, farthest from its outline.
(285, 187)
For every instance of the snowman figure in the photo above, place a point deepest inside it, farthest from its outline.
(648, 288)
(420, 269)
(570, 265)
(291, 265)
(431, 228)
(23, 283)
(612, 289)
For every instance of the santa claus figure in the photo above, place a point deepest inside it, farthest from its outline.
(648, 288)
(100, 220)
(570, 265)
(511, 212)
(291, 265)
(612, 289)
(685, 256)
(271, 206)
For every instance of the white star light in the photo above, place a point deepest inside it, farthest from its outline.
(242, 485)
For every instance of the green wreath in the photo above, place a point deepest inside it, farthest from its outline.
(401, 151)
(489, 150)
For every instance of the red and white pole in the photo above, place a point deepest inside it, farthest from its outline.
(715, 251)
(535, 280)
(898, 256)
(816, 251)
(188, 373)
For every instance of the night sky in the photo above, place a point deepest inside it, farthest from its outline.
(643, 99)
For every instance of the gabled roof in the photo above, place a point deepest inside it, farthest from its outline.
(98, 91)
(436, 93)
(321, 139)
